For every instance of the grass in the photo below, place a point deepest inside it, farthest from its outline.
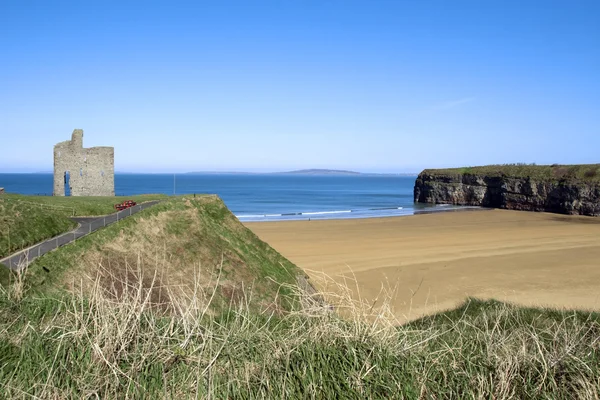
(80, 206)
(180, 242)
(555, 172)
(24, 224)
(182, 301)
(102, 346)
(27, 220)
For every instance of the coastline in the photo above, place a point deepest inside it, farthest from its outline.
(434, 261)
(384, 212)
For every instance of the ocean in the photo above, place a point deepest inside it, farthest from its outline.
(266, 197)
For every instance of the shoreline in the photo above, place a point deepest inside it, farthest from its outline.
(388, 212)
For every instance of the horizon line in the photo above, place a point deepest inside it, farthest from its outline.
(313, 171)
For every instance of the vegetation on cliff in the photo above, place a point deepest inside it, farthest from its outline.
(27, 220)
(555, 172)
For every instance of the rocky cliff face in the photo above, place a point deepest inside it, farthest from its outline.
(520, 193)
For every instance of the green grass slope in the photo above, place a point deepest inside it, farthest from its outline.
(555, 172)
(175, 247)
(27, 220)
(81, 206)
(81, 347)
(24, 224)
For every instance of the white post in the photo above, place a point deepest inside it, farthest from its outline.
(173, 184)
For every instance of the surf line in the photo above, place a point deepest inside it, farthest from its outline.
(318, 212)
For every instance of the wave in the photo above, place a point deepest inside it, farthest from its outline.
(319, 213)
(326, 212)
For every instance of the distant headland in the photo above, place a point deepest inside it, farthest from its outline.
(313, 172)
(320, 172)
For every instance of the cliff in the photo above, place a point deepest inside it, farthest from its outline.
(571, 189)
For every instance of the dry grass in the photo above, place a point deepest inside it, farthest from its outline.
(164, 246)
(112, 342)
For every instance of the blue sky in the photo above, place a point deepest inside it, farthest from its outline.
(386, 86)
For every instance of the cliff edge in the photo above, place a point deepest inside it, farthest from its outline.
(564, 189)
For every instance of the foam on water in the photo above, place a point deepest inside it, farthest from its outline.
(352, 214)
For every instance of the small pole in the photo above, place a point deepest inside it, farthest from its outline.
(104, 221)
(173, 184)
(90, 227)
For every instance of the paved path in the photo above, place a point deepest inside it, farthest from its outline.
(86, 226)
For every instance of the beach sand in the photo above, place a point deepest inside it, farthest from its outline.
(436, 261)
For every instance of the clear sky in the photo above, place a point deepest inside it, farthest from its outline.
(256, 85)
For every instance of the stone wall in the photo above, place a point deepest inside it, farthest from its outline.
(564, 196)
(91, 172)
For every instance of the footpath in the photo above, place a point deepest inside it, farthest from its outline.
(23, 258)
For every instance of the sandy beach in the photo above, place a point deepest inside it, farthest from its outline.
(437, 260)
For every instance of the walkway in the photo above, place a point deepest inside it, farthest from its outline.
(86, 226)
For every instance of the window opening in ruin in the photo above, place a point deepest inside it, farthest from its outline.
(101, 173)
(80, 171)
(67, 184)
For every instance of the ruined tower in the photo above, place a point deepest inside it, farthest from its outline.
(83, 172)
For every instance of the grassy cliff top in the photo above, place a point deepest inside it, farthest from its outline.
(83, 206)
(175, 247)
(585, 172)
(27, 220)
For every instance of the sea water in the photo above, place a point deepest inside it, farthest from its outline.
(266, 197)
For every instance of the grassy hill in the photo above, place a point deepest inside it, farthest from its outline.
(555, 172)
(24, 224)
(27, 220)
(179, 245)
(182, 301)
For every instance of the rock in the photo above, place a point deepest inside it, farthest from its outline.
(562, 196)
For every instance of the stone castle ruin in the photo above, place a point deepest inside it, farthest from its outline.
(83, 172)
